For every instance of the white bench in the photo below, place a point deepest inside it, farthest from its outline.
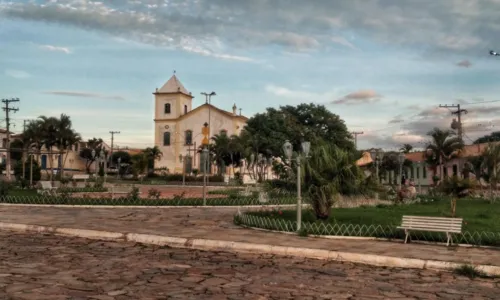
(120, 190)
(46, 188)
(435, 224)
(83, 177)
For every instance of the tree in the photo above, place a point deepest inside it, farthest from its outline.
(125, 157)
(66, 138)
(406, 148)
(491, 163)
(153, 154)
(444, 146)
(492, 137)
(225, 151)
(330, 171)
(139, 163)
(86, 153)
(49, 131)
(18, 170)
(16, 150)
(266, 132)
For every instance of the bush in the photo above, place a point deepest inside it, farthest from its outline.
(5, 188)
(18, 170)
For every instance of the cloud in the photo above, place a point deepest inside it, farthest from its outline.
(17, 74)
(84, 95)
(396, 120)
(288, 93)
(55, 48)
(464, 64)
(459, 26)
(359, 97)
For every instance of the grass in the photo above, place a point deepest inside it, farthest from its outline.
(470, 271)
(478, 215)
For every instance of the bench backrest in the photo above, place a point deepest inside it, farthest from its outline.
(81, 176)
(46, 185)
(453, 225)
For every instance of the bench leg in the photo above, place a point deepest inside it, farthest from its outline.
(449, 239)
(407, 232)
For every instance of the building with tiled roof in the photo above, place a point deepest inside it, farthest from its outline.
(180, 128)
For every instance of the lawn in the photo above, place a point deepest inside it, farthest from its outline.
(478, 215)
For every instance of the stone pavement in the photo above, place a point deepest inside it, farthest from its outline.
(53, 268)
(216, 224)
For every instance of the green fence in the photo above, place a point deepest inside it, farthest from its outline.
(376, 231)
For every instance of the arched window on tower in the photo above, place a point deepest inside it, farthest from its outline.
(185, 109)
(167, 108)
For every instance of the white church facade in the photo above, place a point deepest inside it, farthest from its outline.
(180, 129)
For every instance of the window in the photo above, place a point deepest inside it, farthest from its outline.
(166, 138)
(185, 109)
(188, 137)
(418, 172)
(167, 108)
(424, 172)
(412, 172)
(223, 132)
(455, 170)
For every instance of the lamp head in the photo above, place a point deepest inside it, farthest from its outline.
(373, 154)
(93, 153)
(287, 149)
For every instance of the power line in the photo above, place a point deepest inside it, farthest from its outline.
(7, 110)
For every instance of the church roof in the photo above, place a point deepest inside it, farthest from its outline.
(173, 86)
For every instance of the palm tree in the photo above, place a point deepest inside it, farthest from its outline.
(153, 154)
(66, 138)
(444, 146)
(140, 163)
(49, 134)
(328, 172)
(491, 163)
(406, 148)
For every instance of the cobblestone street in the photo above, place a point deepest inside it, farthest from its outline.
(51, 267)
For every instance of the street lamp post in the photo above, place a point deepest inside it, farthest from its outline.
(288, 150)
(183, 168)
(401, 162)
(204, 155)
(420, 175)
(118, 167)
(377, 155)
(95, 163)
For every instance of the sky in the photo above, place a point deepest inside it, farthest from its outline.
(384, 66)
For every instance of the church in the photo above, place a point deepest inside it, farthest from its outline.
(180, 129)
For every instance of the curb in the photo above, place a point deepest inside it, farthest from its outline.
(218, 245)
(147, 206)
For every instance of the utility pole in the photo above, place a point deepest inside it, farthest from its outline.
(457, 125)
(7, 110)
(112, 142)
(356, 133)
